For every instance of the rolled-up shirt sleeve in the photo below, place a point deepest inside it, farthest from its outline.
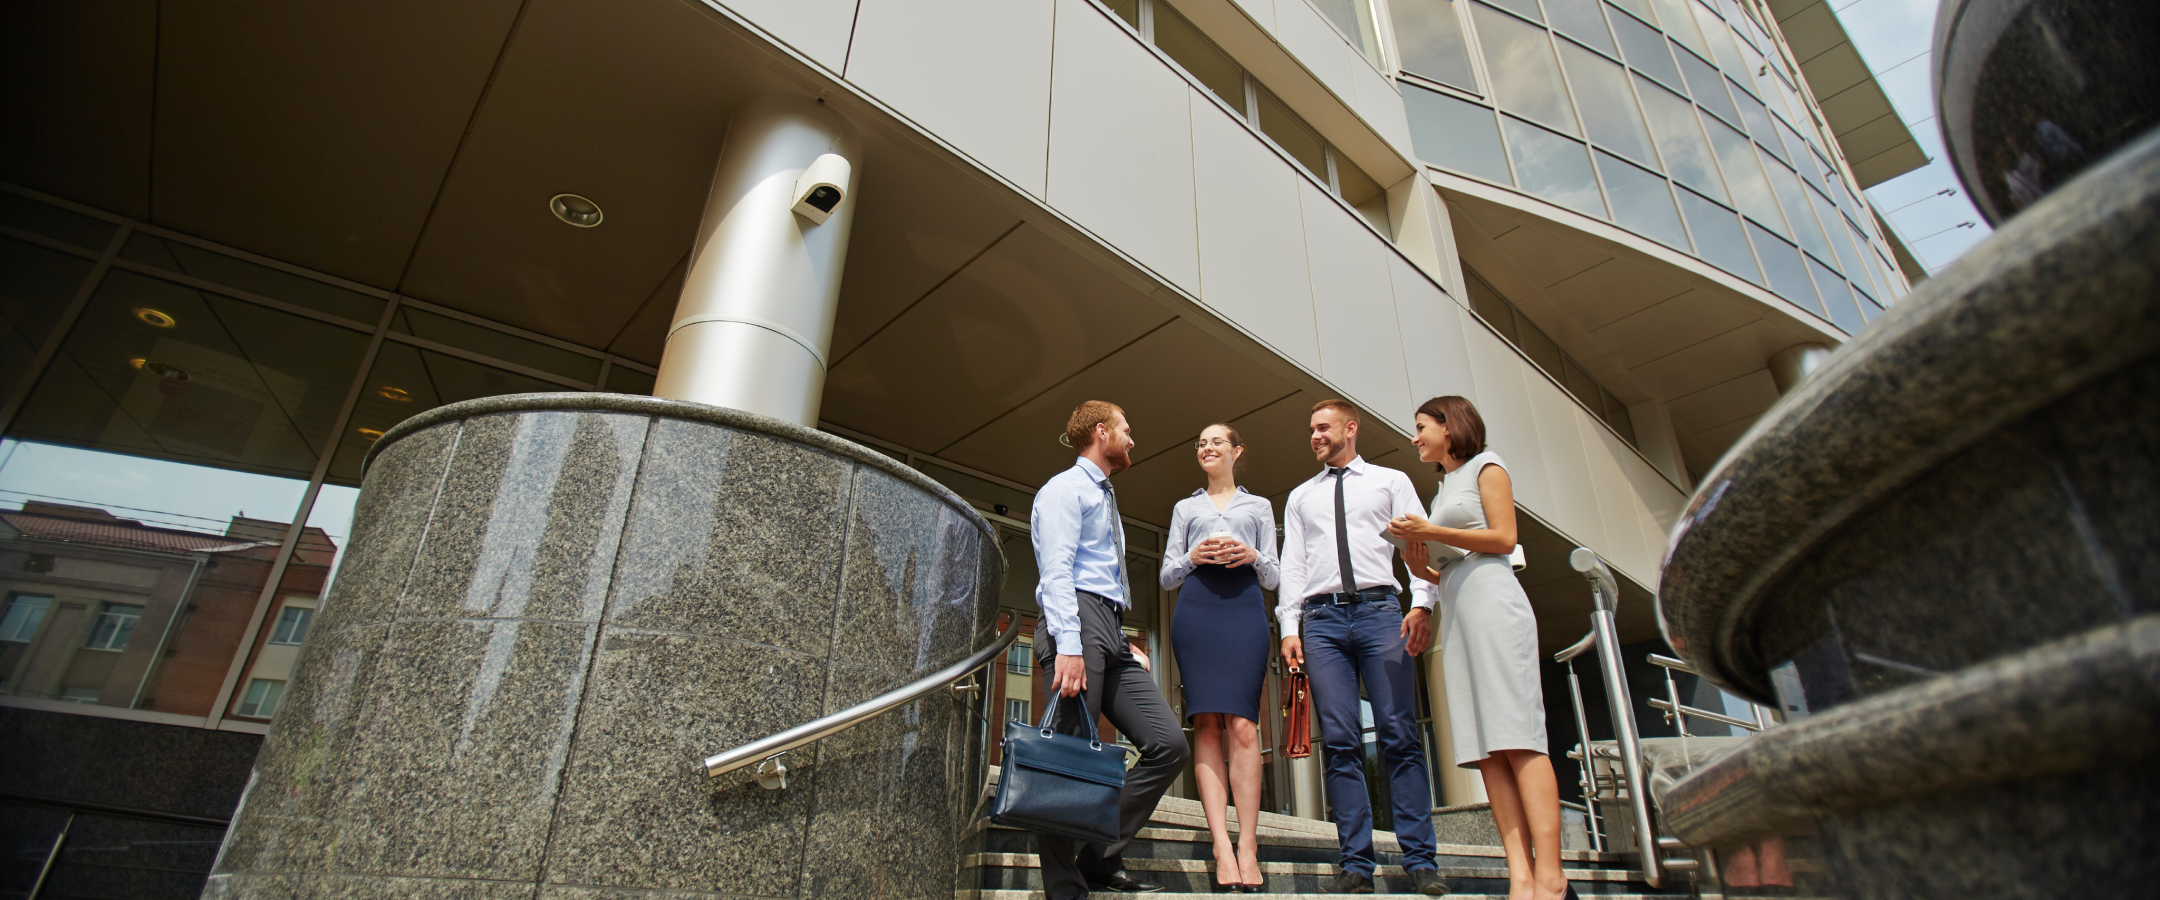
(1269, 567)
(1055, 523)
(1177, 549)
(1290, 596)
(1423, 594)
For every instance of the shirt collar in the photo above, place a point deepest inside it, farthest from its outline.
(1094, 472)
(1356, 466)
(1202, 492)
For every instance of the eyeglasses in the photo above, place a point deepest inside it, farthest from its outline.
(1217, 443)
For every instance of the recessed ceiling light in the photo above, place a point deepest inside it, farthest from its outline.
(157, 318)
(137, 362)
(371, 435)
(391, 393)
(575, 210)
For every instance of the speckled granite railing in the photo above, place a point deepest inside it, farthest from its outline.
(1941, 556)
(552, 605)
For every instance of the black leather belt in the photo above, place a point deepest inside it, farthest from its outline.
(1368, 595)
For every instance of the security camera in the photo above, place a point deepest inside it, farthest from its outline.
(821, 188)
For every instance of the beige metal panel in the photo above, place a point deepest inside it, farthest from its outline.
(1354, 300)
(1252, 237)
(919, 222)
(1432, 336)
(1672, 325)
(1617, 289)
(1121, 144)
(1171, 383)
(78, 106)
(1504, 401)
(1733, 354)
(1661, 502)
(1311, 38)
(491, 247)
(269, 115)
(1618, 505)
(1744, 397)
(1549, 257)
(1380, 104)
(1574, 507)
(1261, 11)
(1021, 318)
(976, 73)
(815, 28)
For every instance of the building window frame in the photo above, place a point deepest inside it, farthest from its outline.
(292, 625)
(114, 627)
(261, 699)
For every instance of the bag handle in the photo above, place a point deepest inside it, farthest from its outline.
(1050, 714)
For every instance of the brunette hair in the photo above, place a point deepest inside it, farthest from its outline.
(1349, 410)
(1080, 429)
(1465, 428)
(1236, 462)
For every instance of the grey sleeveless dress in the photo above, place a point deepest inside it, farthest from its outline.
(1488, 635)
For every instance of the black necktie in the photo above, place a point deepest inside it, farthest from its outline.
(1342, 533)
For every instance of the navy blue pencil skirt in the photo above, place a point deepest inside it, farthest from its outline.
(1220, 632)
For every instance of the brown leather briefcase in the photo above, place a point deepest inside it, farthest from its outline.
(1297, 714)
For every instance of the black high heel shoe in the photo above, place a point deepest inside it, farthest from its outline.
(1570, 895)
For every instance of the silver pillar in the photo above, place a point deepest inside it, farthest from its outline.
(1793, 364)
(755, 319)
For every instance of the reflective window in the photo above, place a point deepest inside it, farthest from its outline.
(1199, 56)
(1788, 275)
(1525, 78)
(1707, 87)
(1292, 134)
(292, 625)
(1674, 17)
(1869, 309)
(1608, 107)
(34, 292)
(1429, 36)
(1453, 134)
(25, 612)
(1641, 8)
(1848, 256)
(1751, 191)
(364, 310)
(1844, 312)
(1718, 239)
(1718, 37)
(1354, 17)
(1583, 21)
(1527, 9)
(1805, 229)
(1363, 194)
(165, 370)
(1647, 52)
(1757, 120)
(1553, 167)
(261, 699)
(1680, 139)
(407, 381)
(1129, 10)
(115, 626)
(1641, 202)
(464, 335)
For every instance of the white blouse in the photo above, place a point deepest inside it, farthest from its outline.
(1248, 518)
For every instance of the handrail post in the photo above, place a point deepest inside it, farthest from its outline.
(1607, 636)
(1589, 765)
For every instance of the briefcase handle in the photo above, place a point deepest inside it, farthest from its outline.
(1050, 714)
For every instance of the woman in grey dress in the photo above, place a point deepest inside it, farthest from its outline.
(1488, 642)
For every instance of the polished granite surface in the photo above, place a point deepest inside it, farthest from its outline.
(556, 605)
(2006, 356)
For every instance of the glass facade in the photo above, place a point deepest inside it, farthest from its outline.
(1669, 118)
(173, 409)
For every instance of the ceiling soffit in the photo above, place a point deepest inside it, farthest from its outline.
(1867, 128)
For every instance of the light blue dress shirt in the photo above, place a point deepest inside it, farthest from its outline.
(1075, 550)
(1247, 518)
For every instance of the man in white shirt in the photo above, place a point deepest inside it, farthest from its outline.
(1083, 592)
(1342, 620)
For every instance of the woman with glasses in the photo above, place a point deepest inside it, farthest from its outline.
(1221, 553)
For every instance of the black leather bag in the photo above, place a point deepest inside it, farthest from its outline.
(1060, 784)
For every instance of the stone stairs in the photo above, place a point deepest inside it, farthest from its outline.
(1297, 856)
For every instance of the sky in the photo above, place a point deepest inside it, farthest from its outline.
(1896, 38)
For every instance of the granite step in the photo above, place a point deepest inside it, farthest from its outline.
(1022, 871)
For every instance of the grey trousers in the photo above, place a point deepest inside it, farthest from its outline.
(1120, 690)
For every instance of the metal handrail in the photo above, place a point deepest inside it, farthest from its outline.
(1698, 713)
(811, 732)
(1605, 638)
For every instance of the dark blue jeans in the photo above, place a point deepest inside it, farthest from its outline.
(1344, 644)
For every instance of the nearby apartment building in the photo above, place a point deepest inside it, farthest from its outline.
(241, 242)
